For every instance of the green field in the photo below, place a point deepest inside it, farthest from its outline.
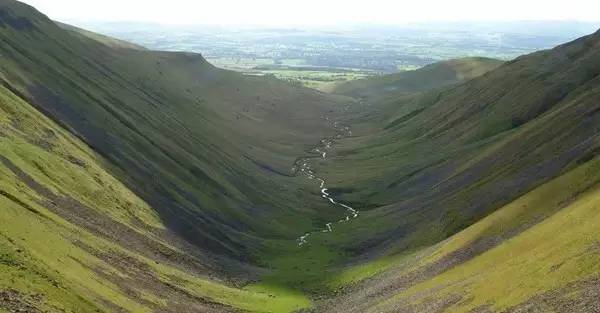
(295, 71)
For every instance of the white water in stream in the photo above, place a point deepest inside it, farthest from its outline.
(303, 165)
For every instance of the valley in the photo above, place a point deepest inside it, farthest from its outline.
(135, 180)
(303, 165)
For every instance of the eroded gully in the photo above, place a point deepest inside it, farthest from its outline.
(303, 167)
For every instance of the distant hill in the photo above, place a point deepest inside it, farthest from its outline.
(433, 76)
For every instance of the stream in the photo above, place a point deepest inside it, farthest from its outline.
(303, 167)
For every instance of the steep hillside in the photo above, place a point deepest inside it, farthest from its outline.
(539, 253)
(480, 144)
(444, 159)
(201, 145)
(154, 182)
(75, 239)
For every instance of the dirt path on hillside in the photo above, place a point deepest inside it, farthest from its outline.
(303, 167)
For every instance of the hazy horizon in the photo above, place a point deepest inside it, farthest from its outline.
(315, 13)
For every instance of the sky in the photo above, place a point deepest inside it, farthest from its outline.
(315, 12)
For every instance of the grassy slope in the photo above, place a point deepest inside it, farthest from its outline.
(473, 147)
(444, 159)
(543, 241)
(75, 267)
(208, 152)
(207, 144)
(556, 250)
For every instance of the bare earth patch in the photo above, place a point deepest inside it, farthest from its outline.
(579, 297)
(16, 302)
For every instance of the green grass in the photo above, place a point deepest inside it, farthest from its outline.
(47, 260)
(547, 256)
(528, 209)
(50, 262)
(324, 80)
(293, 71)
(303, 267)
(66, 166)
(357, 273)
(277, 298)
(55, 259)
(213, 142)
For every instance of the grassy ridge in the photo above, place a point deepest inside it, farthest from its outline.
(111, 42)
